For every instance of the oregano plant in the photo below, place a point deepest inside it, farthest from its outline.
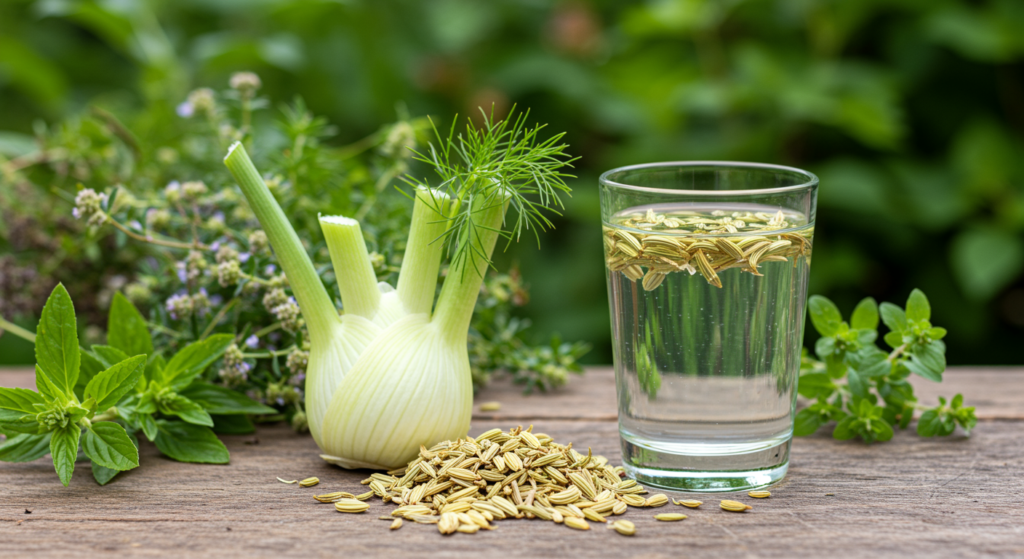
(876, 397)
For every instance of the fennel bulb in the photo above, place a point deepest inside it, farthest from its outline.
(392, 373)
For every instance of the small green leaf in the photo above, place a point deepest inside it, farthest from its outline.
(190, 443)
(893, 317)
(103, 475)
(223, 401)
(64, 451)
(127, 329)
(193, 359)
(845, 429)
(931, 355)
(924, 369)
(90, 367)
(49, 391)
(957, 402)
(918, 307)
(232, 425)
(186, 409)
(807, 422)
(57, 342)
(865, 316)
(870, 362)
(18, 422)
(111, 385)
(816, 385)
(824, 315)
(858, 385)
(825, 346)
(109, 355)
(836, 367)
(935, 423)
(20, 399)
(880, 430)
(107, 444)
(894, 339)
(936, 333)
(149, 427)
(966, 419)
(25, 447)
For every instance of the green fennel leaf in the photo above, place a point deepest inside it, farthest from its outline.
(190, 443)
(107, 444)
(918, 307)
(126, 328)
(64, 451)
(25, 447)
(824, 315)
(57, 341)
(20, 399)
(865, 316)
(111, 385)
(223, 401)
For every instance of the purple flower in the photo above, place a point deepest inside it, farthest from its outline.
(252, 341)
(75, 212)
(135, 225)
(216, 300)
(182, 276)
(244, 367)
(215, 246)
(185, 110)
(269, 270)
(244, 257)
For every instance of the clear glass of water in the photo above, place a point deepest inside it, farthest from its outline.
(707, 267)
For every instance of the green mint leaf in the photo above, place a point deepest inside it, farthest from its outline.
(807, 422)
(966, 419)
(866, 337)
(894, 339)
(90, 367)
(18, 422)
(906, 416)
(858, 385)
(111, 385)
(865, 316)
(20, 399)
(924, 369)
(190, 443)
(918, 307)
(845, 429)
(127, 329)
(896, 392)
(57, 342)
(49, 391)
(25, 447)
(825, 346)
(154, 370)
(816, 385)
(936, 333)
(934, 422)
(223, 401)
(149, 427)
(931, 355)
(893, 317)
(232, 425)
(193, 359)
(64, 451)
(107, 444)
(835, 365)
(109, 355)
(824, 315)
(102, 474)
(186, 409)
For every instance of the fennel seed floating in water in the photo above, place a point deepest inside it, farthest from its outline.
(471, 483)
(392, 344)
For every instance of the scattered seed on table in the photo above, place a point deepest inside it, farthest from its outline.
(490, 406)
(759, 494)
(690, 504)
(670, 517)
(309, 482)
(624, 527)
(735, 506)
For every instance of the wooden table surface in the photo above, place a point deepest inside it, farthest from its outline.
(911, 497)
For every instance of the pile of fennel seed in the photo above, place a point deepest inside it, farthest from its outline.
(467, 484)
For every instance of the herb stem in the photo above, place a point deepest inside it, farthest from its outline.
(357, 282)
(269, 354)
(108, 415)
(160, 242)
(17, 330)
(217, 318)
(897, 352)
(417, 281)
(267, 329)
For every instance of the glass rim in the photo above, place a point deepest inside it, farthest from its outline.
(810, 182)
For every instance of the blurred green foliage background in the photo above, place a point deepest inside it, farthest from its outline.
(910, 111)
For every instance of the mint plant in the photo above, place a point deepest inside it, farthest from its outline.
(876, 397)
(97, 400)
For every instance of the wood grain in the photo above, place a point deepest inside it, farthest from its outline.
(911, 497)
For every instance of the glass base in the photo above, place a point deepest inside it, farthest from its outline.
(705, 472)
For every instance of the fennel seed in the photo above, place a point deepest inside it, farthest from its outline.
(734, 506)
(624, 527)
(670, 517)
(396, 524)
(690, 504)
(309, 482)
(656, 500)
(759, 494)
(288, 482)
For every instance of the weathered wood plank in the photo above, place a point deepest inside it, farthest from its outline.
(909, 498)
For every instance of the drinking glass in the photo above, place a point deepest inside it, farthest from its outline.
(707, 266)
